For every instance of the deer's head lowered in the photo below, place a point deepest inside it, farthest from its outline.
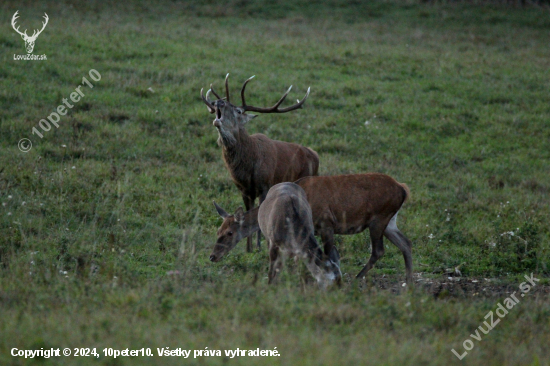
(234, 227)
(29, 40)
(231, 118)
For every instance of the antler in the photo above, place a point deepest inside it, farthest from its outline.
(13, 21)
(213, 92)
(227, 87)
(36, 33)
(275, 108)
(207, 101)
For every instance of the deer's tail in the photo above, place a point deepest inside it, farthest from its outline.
(407, 191)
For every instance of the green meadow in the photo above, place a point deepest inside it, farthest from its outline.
(107, 223)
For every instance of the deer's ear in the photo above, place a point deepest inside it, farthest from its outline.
(248, 117)
(220, 210)
(239, 215)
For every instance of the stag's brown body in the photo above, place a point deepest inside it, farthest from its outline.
(255, 162)
(348, 204)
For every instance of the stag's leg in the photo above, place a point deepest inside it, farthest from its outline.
(376, 229)
(248, 203)
(403, 243)
(275, 262)
(262, 198)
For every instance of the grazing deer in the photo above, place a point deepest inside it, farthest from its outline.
(255, 162)
(341, 204)
(285, 219)
(29, 41)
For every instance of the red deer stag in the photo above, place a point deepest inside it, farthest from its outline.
(341, 204)
(255, 162)
(285, 219)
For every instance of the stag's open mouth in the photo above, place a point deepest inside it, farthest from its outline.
(218, 121)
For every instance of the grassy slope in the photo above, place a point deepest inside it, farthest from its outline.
(457, 103)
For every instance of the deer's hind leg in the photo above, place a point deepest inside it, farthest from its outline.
(275, 262)
(403, 243)
(376, 229)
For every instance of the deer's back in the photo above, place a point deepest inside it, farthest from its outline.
(285, 216)
(348, 203)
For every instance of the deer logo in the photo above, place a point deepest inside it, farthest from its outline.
(29, 41)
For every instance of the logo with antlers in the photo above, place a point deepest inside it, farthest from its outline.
(29, 40)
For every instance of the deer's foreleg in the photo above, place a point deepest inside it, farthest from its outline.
(262, 198)
(249, 204)
(327, 237)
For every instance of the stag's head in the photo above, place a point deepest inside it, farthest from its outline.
(29, 40)
(229, 118)
(229, 234)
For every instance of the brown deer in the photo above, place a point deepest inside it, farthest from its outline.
(341, 204)
(255, 162)
(285, 219)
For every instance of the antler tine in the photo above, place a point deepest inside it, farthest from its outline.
(227, 86)
(207, 101)
(244, 87)
(293, 107)
(298, 104)
(282, 98)
(275, 108)
(213, 92)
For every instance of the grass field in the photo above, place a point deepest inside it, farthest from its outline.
(106, 225)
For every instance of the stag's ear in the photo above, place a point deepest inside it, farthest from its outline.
(334, 256)
(220, 210)
(248, 117)
(239, 215)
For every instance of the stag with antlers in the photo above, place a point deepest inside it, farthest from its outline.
(29, 41)
(255, 162)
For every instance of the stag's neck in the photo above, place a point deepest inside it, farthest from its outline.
(240, 151)
(251, 224)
